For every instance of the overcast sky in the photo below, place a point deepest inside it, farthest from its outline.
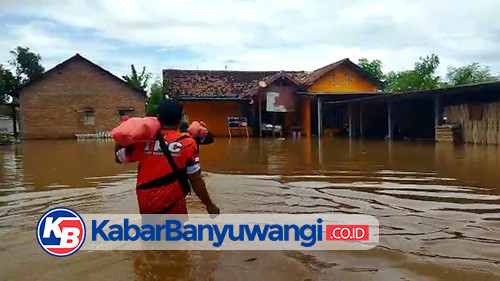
(253, 35)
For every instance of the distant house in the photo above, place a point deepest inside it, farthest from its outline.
(74, 97)
(286, 99)
(212, 96)
(310, 113)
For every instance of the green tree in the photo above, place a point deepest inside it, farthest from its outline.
(469, 74)
(28, 65)
(8, 82)
(155, 97)
(373, 68)
(422, 77)
(136, 80)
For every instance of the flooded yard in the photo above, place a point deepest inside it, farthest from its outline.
(438, 207)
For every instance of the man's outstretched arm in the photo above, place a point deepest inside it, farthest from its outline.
(199, 187)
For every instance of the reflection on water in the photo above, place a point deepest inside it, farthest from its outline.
(438, 207)
(59, 164)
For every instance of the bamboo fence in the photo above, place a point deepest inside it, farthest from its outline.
(480, 122)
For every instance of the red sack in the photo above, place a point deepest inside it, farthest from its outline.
(136, 130)
(198, 129)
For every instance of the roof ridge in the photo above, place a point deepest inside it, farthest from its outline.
(320, 72)
(217, 70)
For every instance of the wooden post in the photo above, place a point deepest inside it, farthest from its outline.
(349, 110)
(361, 130)
(306, 116)
(437, 116)
(260, 114)
(14, 121)
(390, 133)
(320, 117)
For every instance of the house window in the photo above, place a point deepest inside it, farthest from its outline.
(129, 112)
(348, 79)
(88, 118)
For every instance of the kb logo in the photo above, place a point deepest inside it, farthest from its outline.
(60, 232)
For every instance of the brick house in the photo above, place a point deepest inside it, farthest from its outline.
(76, 97)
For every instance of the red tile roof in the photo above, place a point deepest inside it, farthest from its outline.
(294, 77)
(224, 84)
(210, 83)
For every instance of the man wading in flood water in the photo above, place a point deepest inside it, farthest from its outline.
(168, 167)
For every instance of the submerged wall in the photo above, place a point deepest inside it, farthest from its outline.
(215, 114)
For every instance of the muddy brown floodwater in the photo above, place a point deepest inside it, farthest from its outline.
(438, 207)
